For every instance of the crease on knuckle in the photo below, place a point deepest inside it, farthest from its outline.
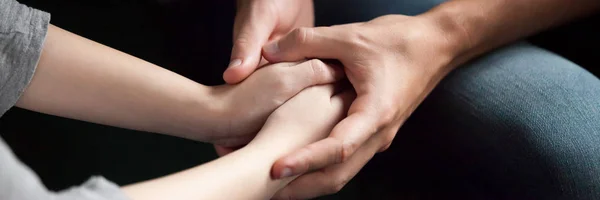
(242, 38)
(356, 40)
(304, 160)
(317, 68)
(303, 35)
(346, 150)
(386, 114)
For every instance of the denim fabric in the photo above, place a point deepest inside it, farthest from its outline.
(517, 123)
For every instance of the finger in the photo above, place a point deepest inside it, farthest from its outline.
(322, 92)
(255, 28)
(234, 141)
(329, 180)
(223, 151)
(389, 138)
(342, 101)
(302, 43)
(343, 98)
(314, 72)
(332, 150)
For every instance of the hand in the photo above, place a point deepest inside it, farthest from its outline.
(257, 22)
(245, 107)
(307, 117)
(393, 62)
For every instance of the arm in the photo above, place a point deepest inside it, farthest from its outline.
(80, 79)
(245, 174)
(400, 60)
(479, 26)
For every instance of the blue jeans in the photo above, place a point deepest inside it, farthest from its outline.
(516, 123)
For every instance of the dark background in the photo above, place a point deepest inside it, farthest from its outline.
(192, 38)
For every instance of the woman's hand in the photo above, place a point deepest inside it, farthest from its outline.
(308, 117)
(246, 106)
(393, 62)
(256, 23)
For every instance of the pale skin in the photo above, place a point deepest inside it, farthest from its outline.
(245, 174)
(80, 79)
(389, 62)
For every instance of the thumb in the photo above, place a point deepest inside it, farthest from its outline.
(253, 32)
(304, 43)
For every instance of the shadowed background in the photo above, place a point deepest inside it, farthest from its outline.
(193, 38)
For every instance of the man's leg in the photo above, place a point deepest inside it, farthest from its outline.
(518, 122)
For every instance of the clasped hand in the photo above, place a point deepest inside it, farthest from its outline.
(392, 62)
(243, 108)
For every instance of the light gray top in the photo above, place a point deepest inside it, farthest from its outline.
(22, 33)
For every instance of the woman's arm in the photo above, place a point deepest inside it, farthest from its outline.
(80, 79)
(245, 174)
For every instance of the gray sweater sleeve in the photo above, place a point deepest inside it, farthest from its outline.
(22, 33)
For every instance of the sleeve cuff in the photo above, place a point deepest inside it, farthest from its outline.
(22, 37)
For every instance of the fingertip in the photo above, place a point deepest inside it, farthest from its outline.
(353, 130)
(238, 70)
(282, 168)
(223, 151)
(232, 76)
(270, 50)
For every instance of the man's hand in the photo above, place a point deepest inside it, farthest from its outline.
(393, 62)
(245, 107)
(256, 23)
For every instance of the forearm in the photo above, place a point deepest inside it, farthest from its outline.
(477, 26)
(243, 174)
(78, 78)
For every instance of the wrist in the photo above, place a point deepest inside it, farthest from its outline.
(449, 24)
(200, 114)
(278, 138)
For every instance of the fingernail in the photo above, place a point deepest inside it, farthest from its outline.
(287, 172)
(235, 63)
(272, 48)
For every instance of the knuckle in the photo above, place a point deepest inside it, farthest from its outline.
(243, 37)
(304, 160)
(242, 41)
(302, 35)
(357, 40)
(347, 149)
(386, 114)
(317, 68)
(338, 184)
(388, 138)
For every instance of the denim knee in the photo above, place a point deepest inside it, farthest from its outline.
(526, 121)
